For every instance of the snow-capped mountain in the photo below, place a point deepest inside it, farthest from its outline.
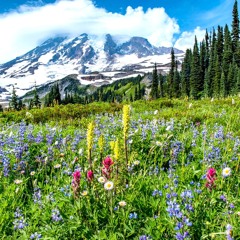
(58, 57)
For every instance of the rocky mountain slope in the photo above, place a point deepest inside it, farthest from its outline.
(92, 59)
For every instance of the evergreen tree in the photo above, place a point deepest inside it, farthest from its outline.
(171, 75)
(238, 82)
(14, 100)
(1, 108)
(36, 100)
(207, 54)
(56, 94)
(222, 91)
(139, 89)
(202, 61)
(206, 91)
(211, 68)
(186, 72)
(176, 82)
(161, 85)
(219, 44)
(231, 80)
(217, 77)
(20, 104)
(235, 27)
(135, 94)
(154, 94)
(227, 53)
(195, 77)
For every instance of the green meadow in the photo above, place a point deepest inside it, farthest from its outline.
(162, 169)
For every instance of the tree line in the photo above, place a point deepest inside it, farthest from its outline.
(210, 69)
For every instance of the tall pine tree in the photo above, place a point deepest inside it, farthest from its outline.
(161, 94)
(235, 27)
(186, 72)
(154, 94)
(171, 75)
(36, 100)
(195, 77)
(14, 100)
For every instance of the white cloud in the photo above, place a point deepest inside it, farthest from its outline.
(26, 27)
(186, 40)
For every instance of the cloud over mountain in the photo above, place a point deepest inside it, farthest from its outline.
(27, 26)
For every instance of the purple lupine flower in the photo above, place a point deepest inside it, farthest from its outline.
(36, 236)
(145, 237)
(56, 216)
(19, 221)
(133, 215)
(229, 232)
(39, 138)
(37, 196)
(222, 197)
(6, 165)
(156, 192)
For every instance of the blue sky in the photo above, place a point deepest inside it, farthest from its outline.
(163, 22)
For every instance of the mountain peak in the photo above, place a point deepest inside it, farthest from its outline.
(58, 57)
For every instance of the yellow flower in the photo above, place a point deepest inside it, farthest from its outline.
(126, 120)
(112, 144)
(32, 173)
(116, 150)
(90, 132)
(101, 143)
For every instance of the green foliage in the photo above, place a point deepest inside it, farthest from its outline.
(201, 74)
(235, 27)
(170, 78)
(154, 94)
(170, 150)
(195, 76)
(14, 100)
(54, 96)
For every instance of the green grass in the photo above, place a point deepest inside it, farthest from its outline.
(171, 146)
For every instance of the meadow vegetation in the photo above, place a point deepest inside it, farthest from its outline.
(163, 169)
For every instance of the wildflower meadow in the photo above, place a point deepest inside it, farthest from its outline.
(149, 170)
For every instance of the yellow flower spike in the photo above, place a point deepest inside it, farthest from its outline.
(90, 132)
(126, 125)
(116, 150)
(126, 119)
(112, 144)
(101, 143)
